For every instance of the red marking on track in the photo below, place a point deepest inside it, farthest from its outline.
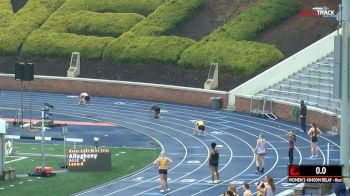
(66, 122)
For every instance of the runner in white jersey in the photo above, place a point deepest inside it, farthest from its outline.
(84, 98)
(260, 150)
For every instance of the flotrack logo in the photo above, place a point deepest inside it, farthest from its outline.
(318, 11)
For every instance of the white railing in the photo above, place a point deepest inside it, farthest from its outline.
(287, 67)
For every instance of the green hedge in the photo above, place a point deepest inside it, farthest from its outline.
(55, 38)
(166, 17)
(24, 22)
(5, 5)
(59, 20)
(255, 20)
(5, 17)
(144, 43)
(50, 44)
(229, 47)
(245, 57)
(99, 24)
(5, 12)
(141, 49)
(143, 7)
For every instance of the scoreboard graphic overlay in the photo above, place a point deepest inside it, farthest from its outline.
(315, 174)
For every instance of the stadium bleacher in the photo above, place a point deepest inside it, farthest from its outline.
(313, 84)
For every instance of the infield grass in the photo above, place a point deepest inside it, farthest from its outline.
(124, 162)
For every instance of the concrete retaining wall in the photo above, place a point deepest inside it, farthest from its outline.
(325, 120)
(122, 89)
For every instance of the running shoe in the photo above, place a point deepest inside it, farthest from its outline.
(161, 190)
(216, 181)
(168, 189)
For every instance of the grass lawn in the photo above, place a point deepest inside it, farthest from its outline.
(124, 162)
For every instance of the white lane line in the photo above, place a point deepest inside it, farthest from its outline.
(198, 167)
(19, 159)
(108, 184)
(188, 180)
(246, 116)
(172, 168)
(119, 103)
(150, 178)
(126, 126)
(193, 162)
(276, 161)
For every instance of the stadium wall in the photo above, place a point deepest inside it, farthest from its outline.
(325, 120)
(122, 89)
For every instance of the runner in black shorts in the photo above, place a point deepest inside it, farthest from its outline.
(313, 134)
(156, 111)
(163, 171)
(163, 162)
(199, 127)
(214, 163)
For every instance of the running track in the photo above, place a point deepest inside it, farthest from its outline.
(234, 133)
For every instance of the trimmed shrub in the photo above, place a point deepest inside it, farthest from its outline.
(5, 17)
(5, 12)
(166, 17)
(100, 24)
(141, 49)
(140, 38)
(255, 20)
(245, 57)
(5, 5)
(50, 44)
(75, 16)
(57, 22)
(24, 22)
(143, 7)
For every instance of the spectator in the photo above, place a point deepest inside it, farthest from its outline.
(261, 189)
(302, 115)
(228, 193)
(340, 189)
(291, 144)
(246, 191)
(269, 187)
(233, 189)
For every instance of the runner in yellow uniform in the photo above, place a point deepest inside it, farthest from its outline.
(199, 127)
(163, 162)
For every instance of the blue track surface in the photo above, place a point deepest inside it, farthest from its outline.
(112, 136)
(235, 134)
